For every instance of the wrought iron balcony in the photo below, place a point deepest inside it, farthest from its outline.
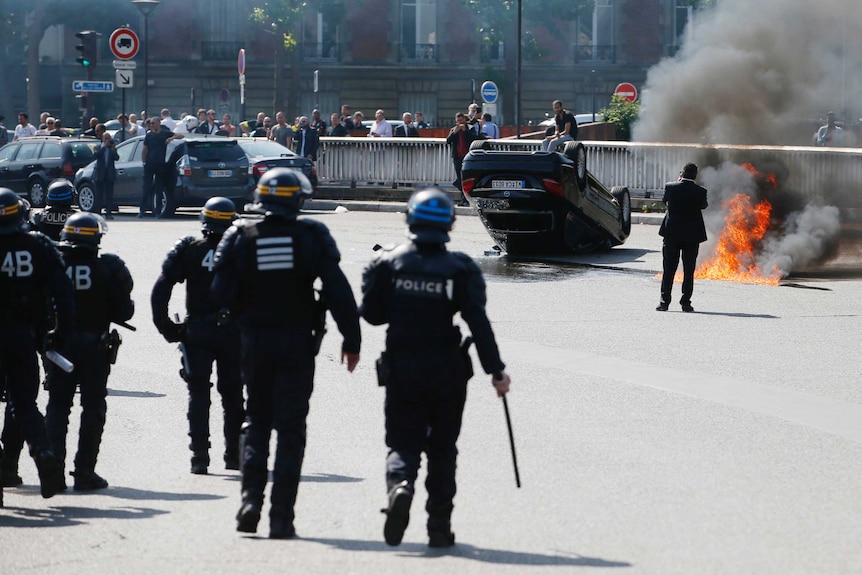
(220, 50)
(329, 51)
(417, 53)
(596, 53)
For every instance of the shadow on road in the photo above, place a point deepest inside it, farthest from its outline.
(468, 551)
(329, 478)
(737, 314)
(63, 516)
(141, 394)
(143, 495)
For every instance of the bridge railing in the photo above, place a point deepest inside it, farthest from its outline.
(644, 167)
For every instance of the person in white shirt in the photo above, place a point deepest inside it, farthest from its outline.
(489, 128)
(167, 121)
(25, 129)
(380, 128)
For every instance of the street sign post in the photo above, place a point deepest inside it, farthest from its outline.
(490, 93)
(124, 43)
(124, 78)
(86, 86)
(240, 67)
(627, 91)
(125, 65)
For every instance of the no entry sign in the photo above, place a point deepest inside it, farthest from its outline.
(627, 91)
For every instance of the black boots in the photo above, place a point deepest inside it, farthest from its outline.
(248, 515)
(440, 532)
(398, 512)
(50, 473)
(280, 528)
(88, 480)
(200, 456)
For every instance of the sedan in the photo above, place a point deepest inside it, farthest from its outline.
(265, 155)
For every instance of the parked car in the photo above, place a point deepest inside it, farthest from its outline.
(204, 166)
(265, 155)
(579, 118)
(534, 202)
(28, 165)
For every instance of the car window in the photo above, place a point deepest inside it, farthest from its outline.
(82, 151)
(28, 151)
(127, 152)
(258, 148)
(211, 151)
(6, 152)
(51, 150)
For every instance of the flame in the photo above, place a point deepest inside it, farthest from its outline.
(769, 180)
(733, 258)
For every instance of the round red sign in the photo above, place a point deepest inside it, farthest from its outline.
(627, 91)
(124, 43)
(240, 61)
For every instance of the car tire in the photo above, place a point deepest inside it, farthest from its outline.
(622, 195)
(87, 197)
(36, 193)
(163, 204)
(577, 153)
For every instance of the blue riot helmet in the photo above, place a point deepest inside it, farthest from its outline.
(217, 215)
(430, 214)
(83, 230)
(11, 212)
(61, 192)
(281, 191)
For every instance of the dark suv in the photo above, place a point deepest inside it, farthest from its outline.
(28, 165)
(199, 167)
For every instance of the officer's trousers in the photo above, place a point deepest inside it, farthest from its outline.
(424, 404)
(18, 355)
(206, 343)
(91, 374)
(278, 372)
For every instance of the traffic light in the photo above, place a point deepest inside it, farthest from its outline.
(87, 48)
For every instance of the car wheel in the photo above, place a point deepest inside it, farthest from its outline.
(622, 195)
(163, 204)
(577, 153)
(36, 193)
(87, 197)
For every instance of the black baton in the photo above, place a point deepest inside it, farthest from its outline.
(512, 442)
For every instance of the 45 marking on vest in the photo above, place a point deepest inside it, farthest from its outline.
(209, 260)
(80, 276)
(17, 264)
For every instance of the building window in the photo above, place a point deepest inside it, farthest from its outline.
(595, 40)
(219, 20)
(319, 38)
(682, 15)
(419, 30)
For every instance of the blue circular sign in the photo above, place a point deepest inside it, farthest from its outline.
(489, 92)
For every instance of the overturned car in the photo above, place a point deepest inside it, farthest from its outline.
(536, 202)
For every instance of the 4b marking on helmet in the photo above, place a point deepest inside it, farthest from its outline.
(217, 215)
(80, 276)
(281, 191)
(79, 231)
(9, 210)
(17, 264)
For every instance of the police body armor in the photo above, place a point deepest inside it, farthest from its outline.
(23, 260)
(192, 260)
(51, 220)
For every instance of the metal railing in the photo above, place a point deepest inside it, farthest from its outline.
(595, 53)
(417, 53)
(828, 173)
(329, 51)
(220, 50)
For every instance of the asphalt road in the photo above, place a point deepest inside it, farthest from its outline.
(724, 441)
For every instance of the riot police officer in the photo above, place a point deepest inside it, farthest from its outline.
(30, 267)
(102, 288)
(51, 220)
(265, 272)
(208, 334)
(417, 288)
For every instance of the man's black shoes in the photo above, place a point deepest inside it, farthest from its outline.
(440, 532)
(398, 513)
(50, 474)
(281, 529)
(88, 481)
(200, 462)
(661, 307)
(686, 307)
(248, 516)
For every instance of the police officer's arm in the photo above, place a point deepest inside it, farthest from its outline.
(225, 284)
(122, 307)
(339, 297)
(172, 273)
(60, 287)
(471, 297)
(376, 278)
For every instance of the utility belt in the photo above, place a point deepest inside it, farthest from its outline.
(110, 343)
(384, 362)
(221, 318)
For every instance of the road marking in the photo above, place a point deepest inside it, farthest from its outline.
(834, 416)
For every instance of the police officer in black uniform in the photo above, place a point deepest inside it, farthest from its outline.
(417, 288)
(208, 334)
(265, 272)
(51, 220)
(102, 287)
(31, 269)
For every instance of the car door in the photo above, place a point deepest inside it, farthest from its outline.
(130, 172)
(7, 154)
(24, 163)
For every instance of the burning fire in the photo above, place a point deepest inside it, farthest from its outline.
(733, 258)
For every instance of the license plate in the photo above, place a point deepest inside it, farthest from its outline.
(220, 173)
(508, 184)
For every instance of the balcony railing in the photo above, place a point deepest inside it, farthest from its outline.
(220, 50)
(417, 53)
(329, 51)
(596, 53)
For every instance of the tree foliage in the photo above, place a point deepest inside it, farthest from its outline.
(622, 114)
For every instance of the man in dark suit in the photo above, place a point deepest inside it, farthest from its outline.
(459, 139)
(683, 232)
(105, 174)
(306, 140)
(407, 129)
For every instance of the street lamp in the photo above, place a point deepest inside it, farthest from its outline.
(146, 8)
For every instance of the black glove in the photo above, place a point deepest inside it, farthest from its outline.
(53, 340)
(172, 332)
